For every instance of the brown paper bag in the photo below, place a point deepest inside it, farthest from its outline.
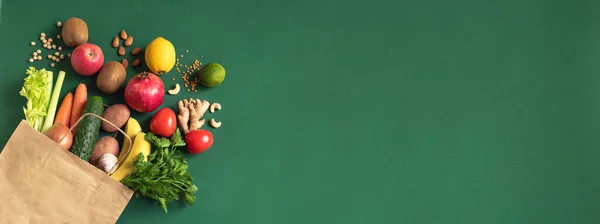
(43, 183)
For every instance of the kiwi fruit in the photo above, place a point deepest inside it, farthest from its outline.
(75, 32)
(111, 77)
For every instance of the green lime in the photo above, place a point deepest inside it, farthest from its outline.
(212, 74)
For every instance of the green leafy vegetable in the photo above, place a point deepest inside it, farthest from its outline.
(37, 88)
(164, 177)
(49, 120)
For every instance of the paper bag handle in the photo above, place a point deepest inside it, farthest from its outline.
(101, 118)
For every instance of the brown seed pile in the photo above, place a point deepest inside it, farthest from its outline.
(187, 71)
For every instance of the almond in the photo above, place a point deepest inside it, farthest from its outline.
(136, 51)
(115, 42)
(136, 62)
(124, 62)
(123, 34)
(128, 41)
(121, 51)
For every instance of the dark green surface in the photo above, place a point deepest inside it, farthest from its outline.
(366, 112)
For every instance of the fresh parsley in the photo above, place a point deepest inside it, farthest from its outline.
(164, 177)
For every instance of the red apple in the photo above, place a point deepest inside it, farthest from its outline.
(87, 59)
(144, 92)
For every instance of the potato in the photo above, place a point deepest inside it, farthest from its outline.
(104, 145)
(117, 114)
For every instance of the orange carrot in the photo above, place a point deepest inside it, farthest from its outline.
(63, 116)
(79, 101)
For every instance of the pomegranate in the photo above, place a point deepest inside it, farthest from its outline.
(144, 92)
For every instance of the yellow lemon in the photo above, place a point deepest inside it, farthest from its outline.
(160, 56)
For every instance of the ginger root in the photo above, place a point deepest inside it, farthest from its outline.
(184, 115)
(190, 114)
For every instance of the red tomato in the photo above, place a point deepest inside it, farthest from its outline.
(198, 141)
(163, 123)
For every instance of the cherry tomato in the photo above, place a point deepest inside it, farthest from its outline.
(163, 123)
(198, 141)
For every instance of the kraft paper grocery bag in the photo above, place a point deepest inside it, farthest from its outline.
(42, 183)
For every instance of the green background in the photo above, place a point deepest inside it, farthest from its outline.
(397, 111)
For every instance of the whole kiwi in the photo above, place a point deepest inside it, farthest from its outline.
(111, 77)
(75, 32)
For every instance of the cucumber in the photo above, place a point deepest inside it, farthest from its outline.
(88, 129)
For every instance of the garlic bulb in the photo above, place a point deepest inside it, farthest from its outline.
(108, 163)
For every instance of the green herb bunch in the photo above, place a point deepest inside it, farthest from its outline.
(164, 177)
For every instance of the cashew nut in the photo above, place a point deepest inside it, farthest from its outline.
(215, 124)
(175, 90)
(215, 106)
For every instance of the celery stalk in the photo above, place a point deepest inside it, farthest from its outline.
(50, 79)
(49, 120)
(37, 89)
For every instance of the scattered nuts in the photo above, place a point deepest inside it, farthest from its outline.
(123, 34)
(34, 53)
(215, 106)
(39, 57)
(49, 39)
(175, 90)
(32, 43)
(43, 39)
(215, 124)
(69, 55)
(115, 42)
(49, 56)
(135, 62)
(53, 46)
(56, 53)
(30, 60)
(59, 24)
(125, 63)
(58, 36)
(39, 51)
(121, 51)
(52, 65)
(60, 48)
(53, 58)
(128, 42)
(136, 51)
(62, 56)
(42, 34)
